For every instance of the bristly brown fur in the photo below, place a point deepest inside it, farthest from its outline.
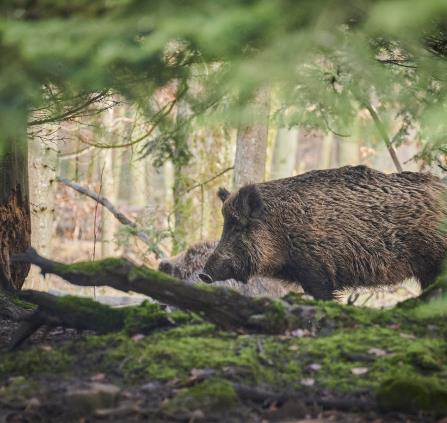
(333, 229)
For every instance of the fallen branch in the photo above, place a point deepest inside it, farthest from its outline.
(75, 312)
(224, 307)
(87, 314)
(26, 329)
(343, 404)
(52, 311)
(12, 308)
(112, 209)
(207, 181)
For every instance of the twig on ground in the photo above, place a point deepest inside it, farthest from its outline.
(343, 404)
(367, 298)
(353, 297)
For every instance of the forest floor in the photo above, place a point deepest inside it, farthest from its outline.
(377, 366)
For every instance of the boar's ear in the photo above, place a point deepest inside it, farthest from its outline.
(223, 194)
(251, 202)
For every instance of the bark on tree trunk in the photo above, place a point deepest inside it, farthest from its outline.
(251, 143)
(42, 176)
(283, 163)
(139, 193)
(181, 205)
(108, 189)
(108, 185)
(349, 152)
(180, 210)
(15, 224)
(326, 151)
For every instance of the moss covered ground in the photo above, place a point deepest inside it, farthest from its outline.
(398, 356)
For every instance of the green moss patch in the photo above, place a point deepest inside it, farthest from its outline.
(150, 316)
(18, 389)
(36, 360)
(413, 395)
(106, 318)
(138, 272)
(215, 394)
(91, 267)
(342, 353)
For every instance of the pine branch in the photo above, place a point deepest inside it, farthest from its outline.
(384, 135)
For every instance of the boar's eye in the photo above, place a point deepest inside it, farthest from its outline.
(233, 224)
(231, 221)
(237, 228)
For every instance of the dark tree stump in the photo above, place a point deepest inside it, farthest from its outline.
(15, 221)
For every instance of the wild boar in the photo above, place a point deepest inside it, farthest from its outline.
(333, 229)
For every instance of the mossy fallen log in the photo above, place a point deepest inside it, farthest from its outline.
(87, 314)
(224, 307)
(75, 312)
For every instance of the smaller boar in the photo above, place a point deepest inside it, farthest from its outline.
(188, 264)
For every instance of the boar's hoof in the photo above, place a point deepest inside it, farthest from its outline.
(205, 278)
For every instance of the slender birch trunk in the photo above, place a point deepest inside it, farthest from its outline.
(251, 143)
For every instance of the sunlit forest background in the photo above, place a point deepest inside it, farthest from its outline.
(106, 151)
(120, 121)
(221, 95)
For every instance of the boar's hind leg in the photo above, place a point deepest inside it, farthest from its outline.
(319, 285)
(320, 292)
(428, 276)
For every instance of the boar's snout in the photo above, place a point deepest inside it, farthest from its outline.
(205, 278)
(220, 268)
(165, 267)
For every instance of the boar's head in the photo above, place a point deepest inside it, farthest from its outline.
(248, 245)
(187, 264)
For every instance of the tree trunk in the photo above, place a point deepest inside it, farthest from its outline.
(181, 202)
(283, 162)
(15, 224)
(326, 151)
(108, 190)
(139, 185)
(180, 210)
(349, 152)
(42, 176)
(109, 175)
(251, 143)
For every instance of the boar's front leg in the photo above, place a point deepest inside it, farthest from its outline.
(316, 281)
(320, 288)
